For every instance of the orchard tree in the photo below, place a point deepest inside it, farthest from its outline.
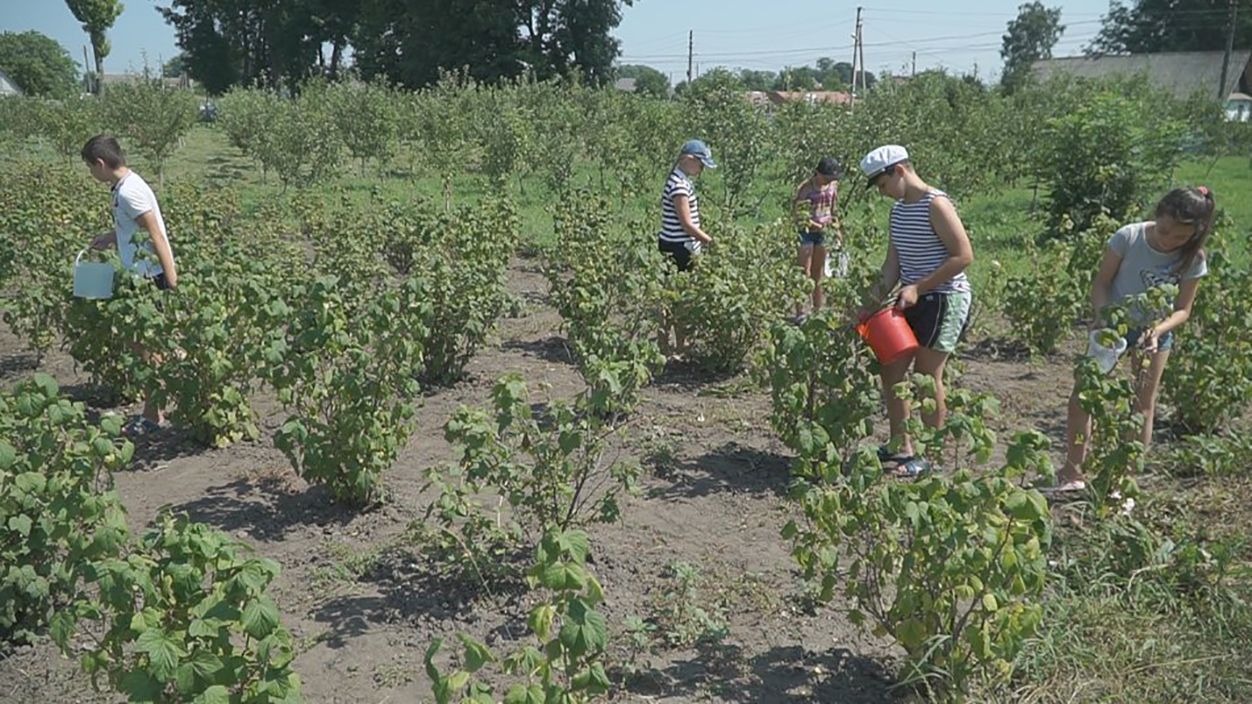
(38, 64)
(757, 80)
(797, 78)
(648, 81)
(1030, 37)
(97, 17)
(175, 67)
(153, 118)
(1150, 26)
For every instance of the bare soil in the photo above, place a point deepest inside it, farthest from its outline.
(354, 593)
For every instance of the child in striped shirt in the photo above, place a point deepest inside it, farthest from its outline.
(927, 255)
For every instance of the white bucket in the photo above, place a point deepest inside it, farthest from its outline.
(92, 280)
(1105, 357)
(837, 265)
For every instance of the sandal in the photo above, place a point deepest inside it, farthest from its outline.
(913, 468)
(1066, 490)
(888, 456)
(141, 426)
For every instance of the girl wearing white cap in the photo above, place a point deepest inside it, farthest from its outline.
(681, 236)
(927, 255)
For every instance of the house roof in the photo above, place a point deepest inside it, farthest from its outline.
(1182, 73)
(8, 85)
(625, 84)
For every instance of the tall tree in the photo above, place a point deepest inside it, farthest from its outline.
(1030, 37)
(38, 64)
(233, 42)
(1150, 26)
(97, 17)
(410, 41)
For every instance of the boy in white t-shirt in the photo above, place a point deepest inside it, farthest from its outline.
(135, 208)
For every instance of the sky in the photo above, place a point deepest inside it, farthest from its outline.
(754, 34)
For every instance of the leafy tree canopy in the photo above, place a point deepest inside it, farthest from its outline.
(648, 81)
(38, 64)
(1030, 37)
(1149, 26)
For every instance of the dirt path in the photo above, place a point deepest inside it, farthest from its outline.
(364, 614)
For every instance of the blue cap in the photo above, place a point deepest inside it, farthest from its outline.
(701, 151)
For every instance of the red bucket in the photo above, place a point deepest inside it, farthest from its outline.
(888, 334)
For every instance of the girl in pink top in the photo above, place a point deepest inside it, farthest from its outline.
(816, 200)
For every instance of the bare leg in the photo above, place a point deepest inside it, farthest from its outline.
(897, 410)
(817, 268)
(931, 362)
(1077, 435)
(1147, 383)
(803, 258)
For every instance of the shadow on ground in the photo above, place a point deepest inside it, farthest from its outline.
(550, 349)
(410, 589)
(781, 675)
(265, 508)
(733, 468)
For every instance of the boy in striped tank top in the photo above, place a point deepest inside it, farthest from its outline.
(927, 255)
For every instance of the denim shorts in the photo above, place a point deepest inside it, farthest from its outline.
(1164, 342)
(813, 238)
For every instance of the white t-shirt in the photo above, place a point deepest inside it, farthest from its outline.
(133, 197)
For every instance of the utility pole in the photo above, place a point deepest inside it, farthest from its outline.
(691, 44)
(860, 43)
(1230, 45)
(856, 45)
(913, 72)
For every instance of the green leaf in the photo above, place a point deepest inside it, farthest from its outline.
(524, 694)
(8, 456)
(20, 524)
(217, 694)
(989, 603)
(476, 654)
(260, 617)
(140, 687)
(163, 653)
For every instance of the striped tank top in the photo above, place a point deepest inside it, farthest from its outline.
(918, 246)
(671, 227)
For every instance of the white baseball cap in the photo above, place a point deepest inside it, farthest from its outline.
(881, 159)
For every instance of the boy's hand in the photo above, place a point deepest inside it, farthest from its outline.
(908, 297)
(104, 240)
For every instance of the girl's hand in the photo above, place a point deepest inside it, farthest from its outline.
(1150, 341)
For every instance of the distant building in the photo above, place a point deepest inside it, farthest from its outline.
(8, 86)
(1239, 107)
(762, 98)
(1183, 73)
(626, 85)
(176, 82)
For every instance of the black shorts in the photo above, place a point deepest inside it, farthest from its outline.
(939, 320)
(678, 251)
